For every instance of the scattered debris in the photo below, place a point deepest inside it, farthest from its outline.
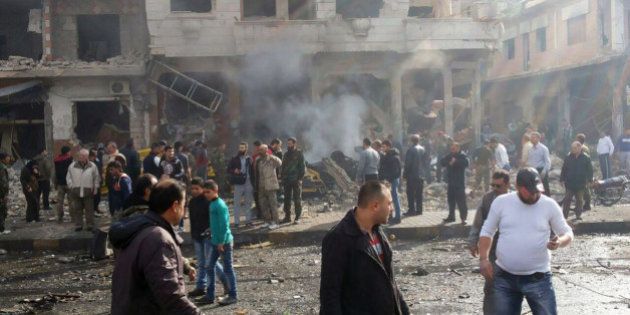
(47, 302)
(455, 271)
(65, 260)
(259, 245)
(464, 296)
(420, 272)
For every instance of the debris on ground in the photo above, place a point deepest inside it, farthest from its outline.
(420, 272)
(48, 301)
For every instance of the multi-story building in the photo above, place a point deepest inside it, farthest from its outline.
(561, 62)
(71, 71)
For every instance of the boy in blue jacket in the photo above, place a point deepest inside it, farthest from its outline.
(222, 245)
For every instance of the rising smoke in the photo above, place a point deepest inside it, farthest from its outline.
(277, 103)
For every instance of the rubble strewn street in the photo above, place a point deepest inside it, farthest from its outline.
(436, 277)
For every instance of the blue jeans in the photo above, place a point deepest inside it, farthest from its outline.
(510, 289)
(228, 269)
(395, 183)
(202, 252)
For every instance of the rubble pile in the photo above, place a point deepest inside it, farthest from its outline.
(16, 200)
(19, 63)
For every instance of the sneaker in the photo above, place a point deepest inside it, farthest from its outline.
(265, 225)
(448, 220)
(196, 292)
(227, 301)
(273, 226)
(205, 300)
(410, 214)
(297, 221)
(5, 232)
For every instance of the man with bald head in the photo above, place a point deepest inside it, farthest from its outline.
(577, 172)
(83, 181)
(267, 185)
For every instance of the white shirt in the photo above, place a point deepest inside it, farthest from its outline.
(525, 230)
(501, 156)
(538, 157)
(605, 146)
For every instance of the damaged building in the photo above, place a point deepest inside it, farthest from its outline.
(561, 62)
(72, 71)
(245, 69)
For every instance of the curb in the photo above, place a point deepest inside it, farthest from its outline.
(302, 238)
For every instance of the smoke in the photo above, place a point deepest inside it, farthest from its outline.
(277, 103)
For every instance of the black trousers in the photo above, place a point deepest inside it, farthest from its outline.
(545, 180)
(415, 187)
(456, 196)
(604, 165)
(44, 190)
(32, 205)
(293, 192)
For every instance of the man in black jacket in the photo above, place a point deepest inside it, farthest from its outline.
(577, 172)
(132, 168)
(357, 275)
(151, 163)
(390, 171)
(414, 174)
(456, 163)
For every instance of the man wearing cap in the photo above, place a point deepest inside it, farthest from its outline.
(577, 172)
(526, 219)
(538, 158)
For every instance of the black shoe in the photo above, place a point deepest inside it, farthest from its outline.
(196, 292)
(79, 229)
(394, 221)
(410, 213)
(448, 220)
(586, 208)
(227, 301)
(204, 301)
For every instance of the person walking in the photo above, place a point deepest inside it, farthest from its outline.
(240, 175)
(577, 172)
(500, 186)
(501, 158)
(148, 275)
(222, 246)
(390, 171)
(357, 273)
(368, 163)
(132, 157)
(538, 158)
(5, 160)
(151, 163)
(456, 163)
(45, 168)
(62, 163)
(293, 171)
(624, 150)
(267, 185)
(483, 166)
(414, 173)
(29, 178)
(83, 181)
(119, 188)
(605, 149)
(526, 218)
(198, 208)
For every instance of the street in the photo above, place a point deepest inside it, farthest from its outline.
(591, 276)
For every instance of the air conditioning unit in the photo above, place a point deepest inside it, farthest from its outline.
(119, 88)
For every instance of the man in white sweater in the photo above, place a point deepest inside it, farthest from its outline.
(605, 149)
(525, 218)
(83, 180)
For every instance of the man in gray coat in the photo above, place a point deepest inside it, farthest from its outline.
(369, 160)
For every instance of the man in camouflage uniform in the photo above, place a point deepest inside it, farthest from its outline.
(293, 171)
(5, 159)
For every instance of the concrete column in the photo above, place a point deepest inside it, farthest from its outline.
(46, 30)
(282, 9)
(476, 106)
(447, 74)
(397, 110)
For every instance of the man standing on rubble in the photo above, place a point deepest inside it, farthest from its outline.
(148, 276)
(538, 158)
(456, 163)
(577, 172)
(83, 181)
(605, 150)
(369, 160)
(45, 171)
(390, 170)
(62, 163)
(414, 173)
(500, 186)
(293, 171)
(5, 160)
(240, 175)
(526, 219)
(267, 185)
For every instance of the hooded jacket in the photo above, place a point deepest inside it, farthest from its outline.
(390, 165)
(148, 276)
(353, 278)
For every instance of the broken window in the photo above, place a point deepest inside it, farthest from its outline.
(101, 122)
(301, 9)
(421, 12)
(541, 39)
(357, 9)
(99, 36)
(576, 30)
(253, 9)
(508, 48)
(191, 6)
(20, 29)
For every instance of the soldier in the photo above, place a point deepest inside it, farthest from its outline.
(5, 159)
(293, 170)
